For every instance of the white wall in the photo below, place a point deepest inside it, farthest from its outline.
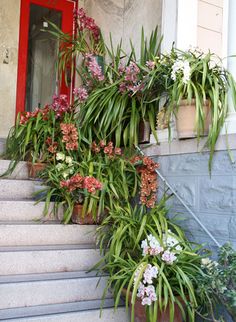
(210, 26)
(187, 24)
(195, 23)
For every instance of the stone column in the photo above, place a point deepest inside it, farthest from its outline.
(230, 124)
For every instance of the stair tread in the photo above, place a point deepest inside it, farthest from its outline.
(2, 141)
(39, 277)
(20, 180)
(46, 234)
(35, 222)
(16, 201)
(54, 309)
(57, 223)
(23, 200)
(46, 248)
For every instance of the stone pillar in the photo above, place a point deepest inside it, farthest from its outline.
(230, 124)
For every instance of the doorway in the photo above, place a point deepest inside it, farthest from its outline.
(37, 79)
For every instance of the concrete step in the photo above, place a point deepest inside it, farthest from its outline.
(25, 210)
(88, 311)
(46, 234)
(50, 288)
(16, 189)
(46, 259)
(20, 171)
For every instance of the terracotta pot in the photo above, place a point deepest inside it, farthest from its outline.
(35, 168)
(185, 119)
(144, 132)
(88, 219)
(140, 314)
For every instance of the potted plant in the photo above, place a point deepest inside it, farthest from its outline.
(82, 190)
(196, 87)
(70, 188)
(149, 259)
(219, 280)
(91, 181)
(115, 110)
(34, 169)
(34, 136)
(86, 43)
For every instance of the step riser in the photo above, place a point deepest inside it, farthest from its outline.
(28, 235)
(33, 262)
(20, 286)
(108, 315)
(25, 211)
(50, 292)
(20, 171)
(16, 189)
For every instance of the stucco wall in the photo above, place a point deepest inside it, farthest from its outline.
(213, 199)
(9, 34)
(125, 18)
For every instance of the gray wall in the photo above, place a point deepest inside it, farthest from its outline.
(125, 18)
(213, 198)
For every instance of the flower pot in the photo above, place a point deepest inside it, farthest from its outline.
(144, 132)
(87, 219)
(186, 116)
(140, 313)
(35, 168)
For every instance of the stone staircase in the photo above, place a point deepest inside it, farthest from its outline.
(44, 264)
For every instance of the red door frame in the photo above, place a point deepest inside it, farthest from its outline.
(66, 7)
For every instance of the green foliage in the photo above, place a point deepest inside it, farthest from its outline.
(220, 283)
(208, 80)
(71, 47)
(124, 227)
(120, 236)
(150, 49)
(111, 114)
(117, 174)
(108, 114)
(26, 140)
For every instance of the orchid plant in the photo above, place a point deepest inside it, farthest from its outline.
(116, 107)
(86, 40)
(97, 176)
(34, 136)
(149, 256)
(146, 167)
(194, 75)
(68, 183)
(89, 36)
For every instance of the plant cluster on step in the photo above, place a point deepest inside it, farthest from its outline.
(35, 135)
(149, 259)
(117, 177)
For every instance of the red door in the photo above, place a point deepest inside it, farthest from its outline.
(37, 75)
